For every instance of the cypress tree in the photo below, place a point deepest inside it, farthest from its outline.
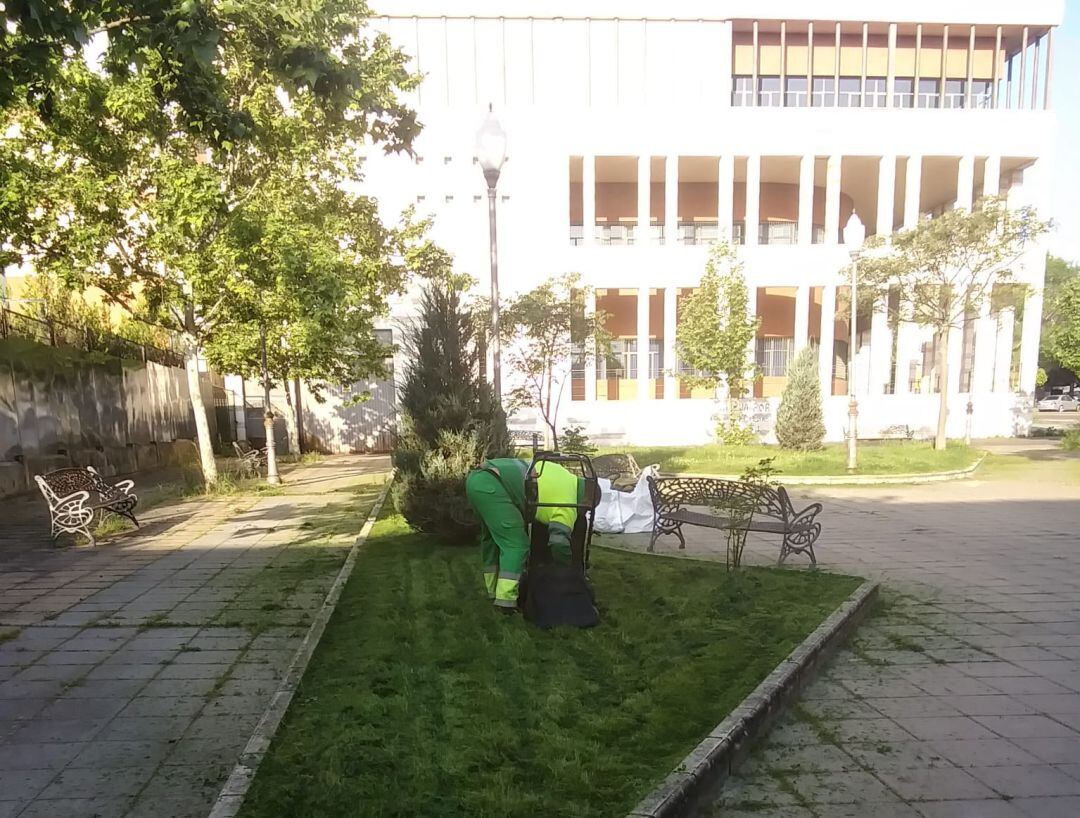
(800, 420)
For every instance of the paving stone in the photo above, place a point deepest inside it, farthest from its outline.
(936, 784)
(113, 754)
(1026, 726)
(970, 809)
(1029, 780)
(39, 756)
(42, 730)
(97, 783)
(840, 788)
(1052, 807)
(24, 785)
(984, 752)
(76, 808)
(944, 727)
(1052, 750)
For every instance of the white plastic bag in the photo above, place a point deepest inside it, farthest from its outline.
(626, 512)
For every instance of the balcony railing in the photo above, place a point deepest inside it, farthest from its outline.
(778, 233)
(577, 235)
(699, 232)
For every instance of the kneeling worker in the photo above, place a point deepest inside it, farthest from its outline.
(496, 491)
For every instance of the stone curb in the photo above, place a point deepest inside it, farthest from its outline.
(857, 479)
(698, 779)
(232, 794)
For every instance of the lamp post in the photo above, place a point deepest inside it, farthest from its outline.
(268, 417)
(491, 154)
(854, 234)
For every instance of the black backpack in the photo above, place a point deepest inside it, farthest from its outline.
(551, 594)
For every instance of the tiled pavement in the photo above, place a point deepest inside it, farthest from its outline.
(962, 697)
(131, 675)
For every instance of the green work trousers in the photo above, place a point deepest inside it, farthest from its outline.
(504, 539)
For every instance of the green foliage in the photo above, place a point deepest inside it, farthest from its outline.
(543, 330)
(1070, 442)
(800, 420)
(575, 441)
(1064, 331)
(1040, 377)
(733, 429)
(739, 509)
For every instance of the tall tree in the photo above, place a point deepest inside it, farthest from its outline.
(800, 419)
(1065, 331)
(714, 333)
(544, 330)
(123, 185)
(946, 267)
(1059, 274)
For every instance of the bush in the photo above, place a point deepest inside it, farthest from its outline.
(574, 441)
(432, 497)
(1071, 441)
(800, 420)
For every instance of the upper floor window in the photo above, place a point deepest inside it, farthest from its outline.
(981, 93)
(850, 92)
(929, 93)
(769, 92)
(778, 232)
(876, 92)
(795, 92)
(954, 93)
(773, 355)
(823, 94)
(904, 92)
(742, 92)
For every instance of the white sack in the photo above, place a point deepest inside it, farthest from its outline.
(626, 512)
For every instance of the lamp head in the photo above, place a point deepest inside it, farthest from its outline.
(854, 233)
(491, 147)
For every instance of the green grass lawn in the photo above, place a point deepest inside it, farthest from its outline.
(893, 457)
(422, 700)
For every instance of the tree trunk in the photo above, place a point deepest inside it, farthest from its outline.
(202, 423)
(292, 427)
(940, 441)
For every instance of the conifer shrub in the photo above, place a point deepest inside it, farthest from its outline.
(800, 420)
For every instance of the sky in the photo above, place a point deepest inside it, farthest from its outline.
(1065, 100)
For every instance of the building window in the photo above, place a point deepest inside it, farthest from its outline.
(699, 232)
(577, 235)
(850, 92)
(876, 92)
(795, 92)
(824, 92)
(742, 92)
(904, 92)
(769, 92)
(656, 357)
(615, 234)
(967, 360)
(981, 93)
(773, 355)
(778, 232)
(954, 93)
(929, 92)
(448, 198)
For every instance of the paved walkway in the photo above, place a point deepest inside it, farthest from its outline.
(963, 697)
(132, 674)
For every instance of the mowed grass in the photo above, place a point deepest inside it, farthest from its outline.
(423, 701)
(880, 457)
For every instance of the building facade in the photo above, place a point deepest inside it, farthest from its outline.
(640, 133)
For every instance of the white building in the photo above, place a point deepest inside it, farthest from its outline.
(639, 132)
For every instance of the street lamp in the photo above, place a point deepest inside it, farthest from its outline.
(491, 154)
(854, 234)
(268, 416)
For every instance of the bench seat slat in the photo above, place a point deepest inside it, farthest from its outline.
(713, 521)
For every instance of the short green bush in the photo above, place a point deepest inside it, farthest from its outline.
(1071, 441)
(800, 422)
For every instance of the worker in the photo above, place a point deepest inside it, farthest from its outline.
(496, 491)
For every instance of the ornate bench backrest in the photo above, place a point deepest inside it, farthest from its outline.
(63, 482)
(616, 465)
(671, 493)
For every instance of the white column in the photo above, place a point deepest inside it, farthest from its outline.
(1029, 340)
(802, 316)
(832, 201)
(1003, 353)
(828, 328)
(725, 188)
(965, 181)
(753, 198)
(724, 50)
(588, 199)
(992, 176)
(912, 192)
(806, 199)
(880, 349)
(671, 200)
(982, 374)
(890, 77)
(956, 359)
(886, 194)
(643, 201)
(907, 350)
(643, 343)
(671, 383)
(590, 361)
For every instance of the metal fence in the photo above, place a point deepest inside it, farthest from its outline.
(58, 334)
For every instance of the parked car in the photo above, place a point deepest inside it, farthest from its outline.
(1058, 403)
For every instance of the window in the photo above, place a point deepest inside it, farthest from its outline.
(699, 232)
(448, 198)
(620, 361)
(876, 92)
(954, 93)
(742, 92)
(967, 360)
(577, 235)
(823, 95)
(769, 92)
(795, 92)
(777, 232)
(850, 92)
(929, 91)
(738, 233)
(446, 160)
(982, 93)
(773, 355)
(615, 233)
(904, 92)
(656, 357)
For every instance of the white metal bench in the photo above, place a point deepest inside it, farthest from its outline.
(69, 491)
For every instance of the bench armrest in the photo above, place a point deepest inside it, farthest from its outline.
(72, 501)
(125, 486)
(805, 518)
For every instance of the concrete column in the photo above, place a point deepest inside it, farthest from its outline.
(753, 198)
(880, 349)
(828, 331)
(1003, 353)
(643, 200)
(992, 176)
(724, 50)
(886, 192)
(806, 199)
(965, 181)
(912, 192)
(890, 77)
(907, 349)
(802, 316)
(956, 358)
(643, 344)
(590, 361)
(725, 187)
(832, 201)
(1029, 340)
(588, 199)
(671, 383)
(671, 200)
(982, 374)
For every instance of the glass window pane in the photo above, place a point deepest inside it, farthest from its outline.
(928, 93)
(954, 93)
(823, 92)
(795, 92)
(904, 92)
(769, 91)
(850, 92)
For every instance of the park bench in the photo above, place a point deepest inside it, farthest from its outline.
(750, 507)
(252, 460)
(621, 469)
(69, 491)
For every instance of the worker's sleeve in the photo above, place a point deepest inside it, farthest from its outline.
(557, 485)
